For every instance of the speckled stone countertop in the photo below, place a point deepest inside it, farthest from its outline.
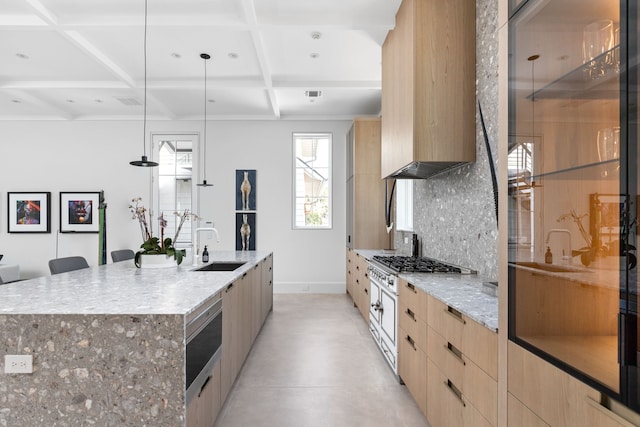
(460, 291)
(121, 288)
(108, 343)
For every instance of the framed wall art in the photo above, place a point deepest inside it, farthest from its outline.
(79, 212)
(246, 188)
(29, 212)
(245, 231)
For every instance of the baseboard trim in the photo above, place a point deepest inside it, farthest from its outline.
(309, 288)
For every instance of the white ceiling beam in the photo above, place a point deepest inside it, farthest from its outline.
(42, 12)
(250, 15)
(217, 84)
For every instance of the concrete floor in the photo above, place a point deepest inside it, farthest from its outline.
(315, 364)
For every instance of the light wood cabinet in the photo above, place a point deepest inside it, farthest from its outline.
(366, 227)
(350, 266)
(362, 287)
(552, 395)
(448, 361)
(245, 305)
(229, 337)
(203, 409)
(428, 85)
(267, 286)
(412, 341)
(447, 405)
(465, 355)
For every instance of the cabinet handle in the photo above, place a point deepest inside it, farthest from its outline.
(204, 385)
(411, 342)
(455, 314)
(412, 288)
(366, 291)
(357, 267)
(457, 393)
(229, 287)
(455, 352)
(411, 314)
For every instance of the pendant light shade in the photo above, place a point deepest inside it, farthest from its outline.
(144, 162)
(205, 57)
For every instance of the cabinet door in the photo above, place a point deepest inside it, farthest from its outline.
(349, 272)
(229, 339)
(256, 301)
(267, 286)
(412, 368)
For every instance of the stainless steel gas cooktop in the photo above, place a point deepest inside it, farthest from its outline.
(408, 264)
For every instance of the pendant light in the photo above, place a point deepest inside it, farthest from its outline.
(144, 161)
(206, 57)
(532, 59)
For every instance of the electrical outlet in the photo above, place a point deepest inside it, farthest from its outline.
(18, 364)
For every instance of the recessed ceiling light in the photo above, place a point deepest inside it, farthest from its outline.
(99, 101)
(70, 101)
(176, 55)
(16, 101)
(316, 35)
(211, 100)
(314, 55)
(22, 56)
(232, 55)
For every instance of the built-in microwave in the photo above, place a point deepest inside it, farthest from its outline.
(204, 347)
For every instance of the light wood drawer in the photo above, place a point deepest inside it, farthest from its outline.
(412, 368)
(448, 358)
(475, 385)
(478, 343)
(446, 321)
(413, 298)
(414, 326)
(447, 406)
(481, 345)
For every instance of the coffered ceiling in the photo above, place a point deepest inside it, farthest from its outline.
(84, 59)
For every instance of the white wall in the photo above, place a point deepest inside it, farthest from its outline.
(93, 156)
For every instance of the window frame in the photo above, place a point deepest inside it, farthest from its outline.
(294, 138)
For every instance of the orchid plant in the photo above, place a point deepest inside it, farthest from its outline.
(152, 245)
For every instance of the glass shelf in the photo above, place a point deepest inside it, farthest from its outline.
(555, 173)
(596, 79)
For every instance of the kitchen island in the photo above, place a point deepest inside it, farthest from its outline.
(108, 342)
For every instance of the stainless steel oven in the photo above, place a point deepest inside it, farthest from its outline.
(204, 347)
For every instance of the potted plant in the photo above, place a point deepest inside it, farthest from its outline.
(153, 245)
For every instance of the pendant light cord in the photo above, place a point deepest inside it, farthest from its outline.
(204, 161)
(144, 120)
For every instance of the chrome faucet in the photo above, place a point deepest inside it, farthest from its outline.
(561, 230)
(196, 249)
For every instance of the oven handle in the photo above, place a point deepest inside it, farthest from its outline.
(203, 319)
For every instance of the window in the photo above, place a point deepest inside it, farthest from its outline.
(173, 187)
(312, 180)
(404, 204)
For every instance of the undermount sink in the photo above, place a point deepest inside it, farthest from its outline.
(221, 266)
(554, 268)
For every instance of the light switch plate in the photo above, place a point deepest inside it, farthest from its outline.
(18, 364)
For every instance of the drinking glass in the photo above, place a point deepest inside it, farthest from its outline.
(597, 39)
(608, 142)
